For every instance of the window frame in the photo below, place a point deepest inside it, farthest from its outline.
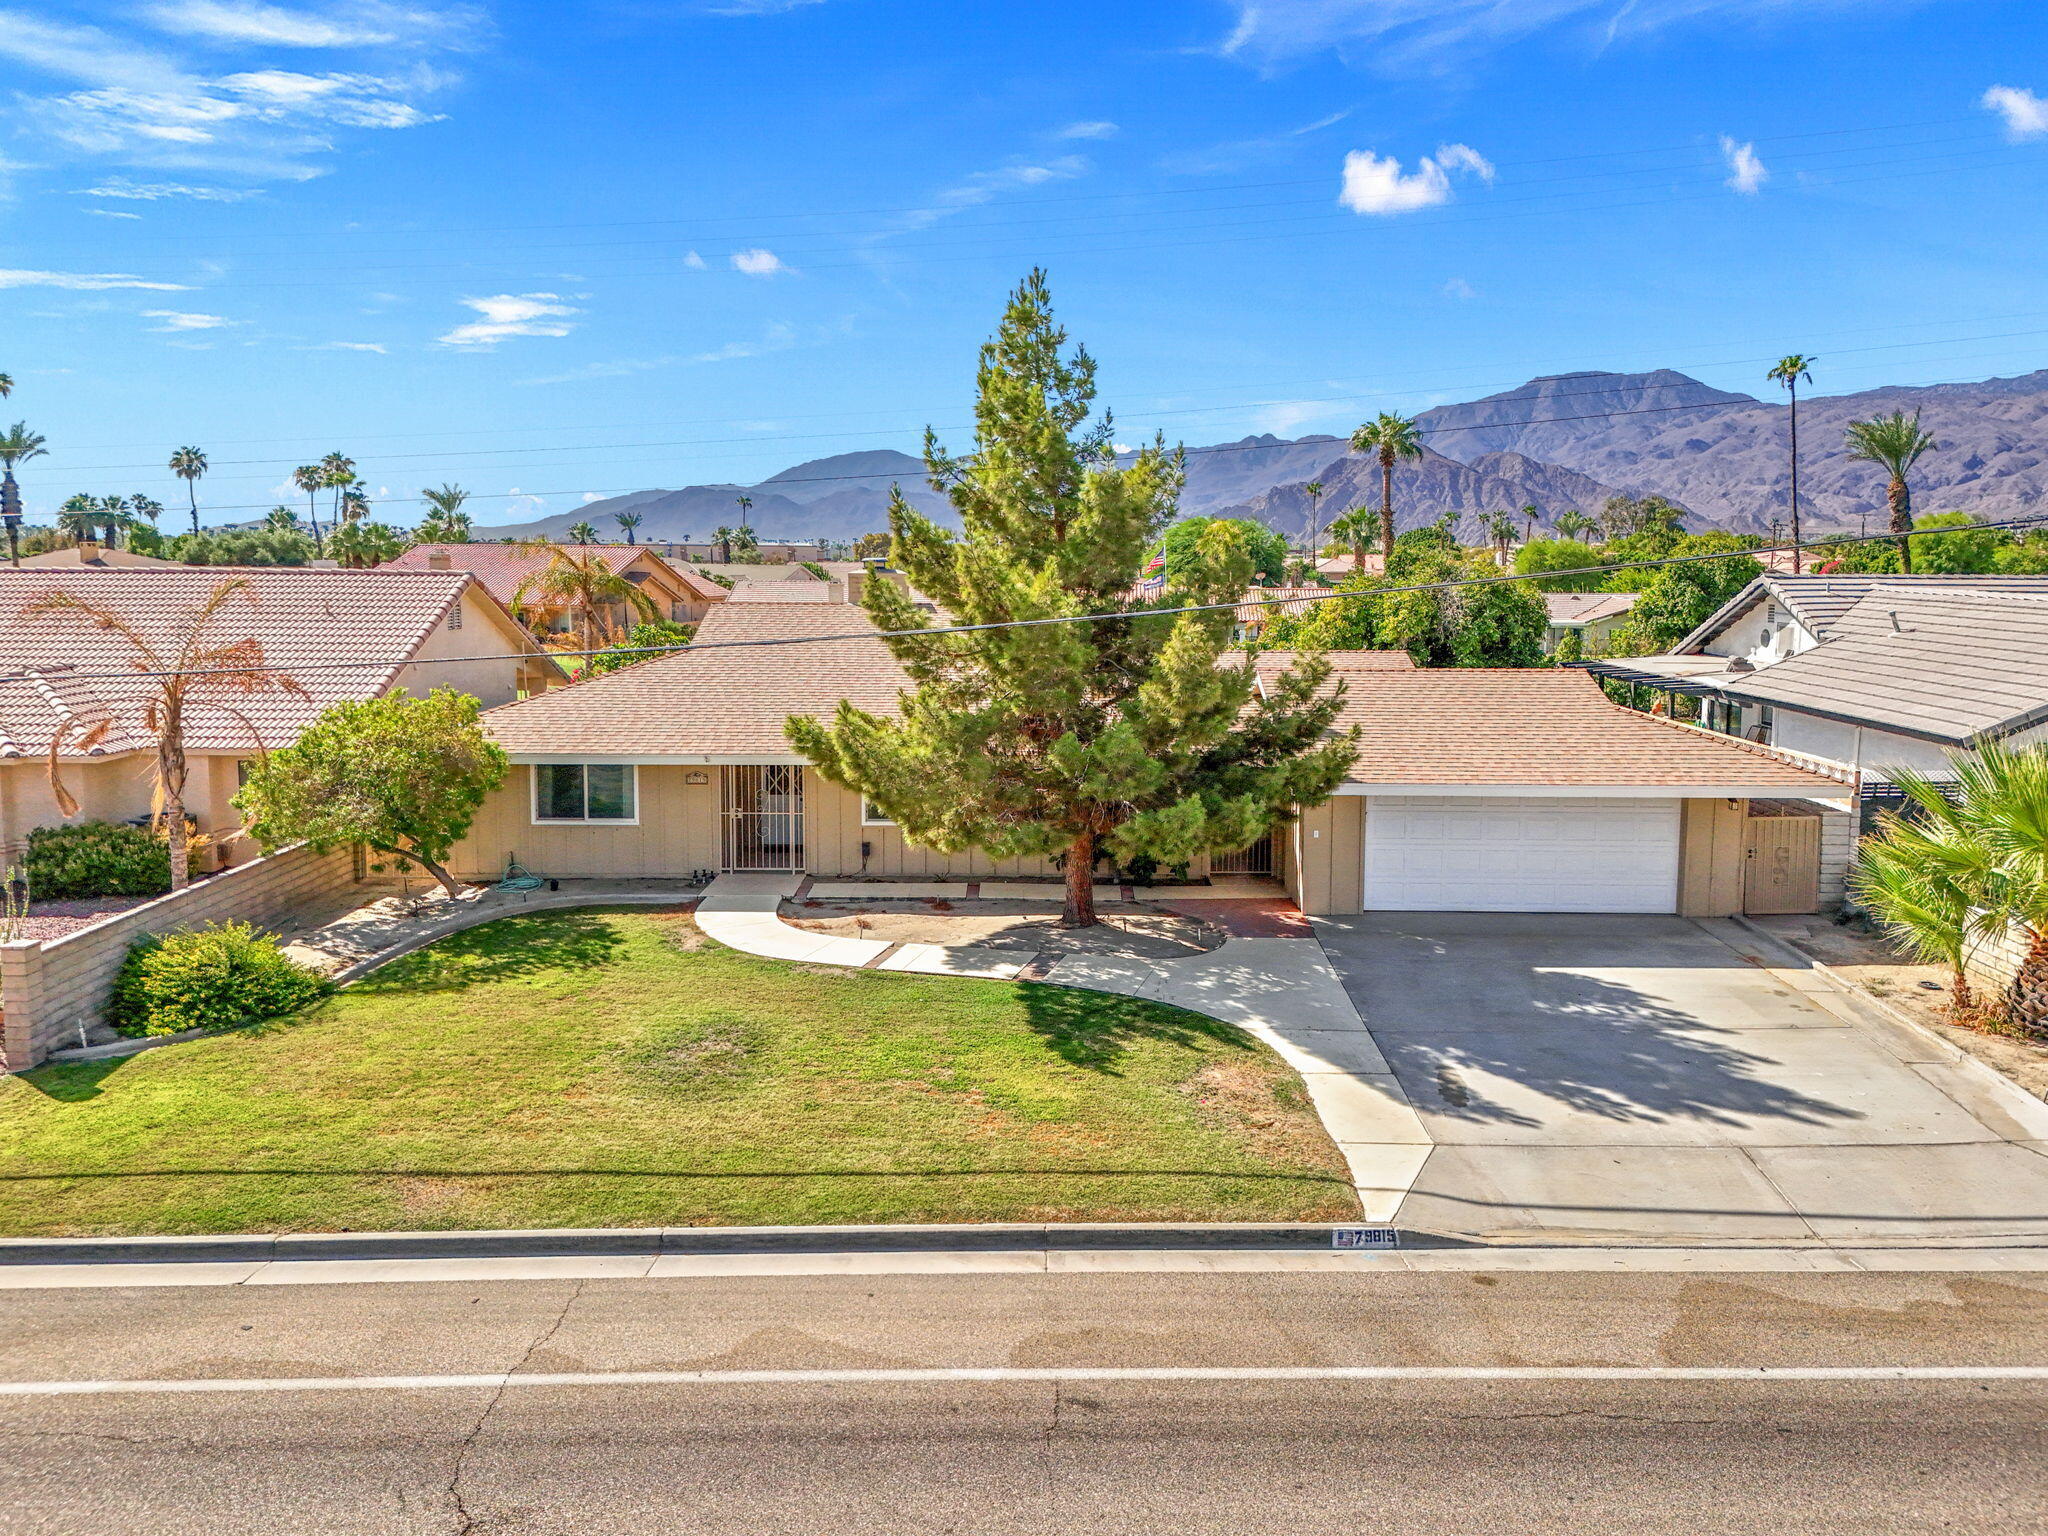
(586, 819)
(869, 817)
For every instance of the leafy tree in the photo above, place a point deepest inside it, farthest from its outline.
(1792, 372)
(1428, 545)
(1971, 553)
(632, 649)
(1896, 443)
(724, 581)
(266, 546)
(195, 673)
(871, 546)
(1676, 599)
(1337, 624)
(1539, 557)
(1623, 517)
(1500, 624)
(2024, 556)
(404, 775)
(1634, 549)
(189, 464)
(1123, 735)
(1182, 546)
(1571, 647)
(1388, 437)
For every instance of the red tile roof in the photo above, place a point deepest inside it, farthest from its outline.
(501, 567)
(54, 670)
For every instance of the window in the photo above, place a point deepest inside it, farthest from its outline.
(584, 792)
(871, 816)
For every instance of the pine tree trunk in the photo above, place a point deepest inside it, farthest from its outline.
(2026, 1000)
(1080, 906)
(1902, 522)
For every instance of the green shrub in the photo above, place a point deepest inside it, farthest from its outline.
(98, 858)
(227, 973)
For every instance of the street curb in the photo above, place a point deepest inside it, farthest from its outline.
(653, 1242)
(1957, 1054)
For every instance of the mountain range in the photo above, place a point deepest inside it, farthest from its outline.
(1557, 442)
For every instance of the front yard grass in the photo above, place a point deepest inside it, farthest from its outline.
(615, 1068)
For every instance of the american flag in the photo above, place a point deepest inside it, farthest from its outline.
(1156, 564)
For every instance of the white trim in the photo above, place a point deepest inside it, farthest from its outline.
(658, 759)
(872, 821)
(533, 796)
(1590, 791)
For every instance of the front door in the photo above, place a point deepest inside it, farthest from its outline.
(763, 816)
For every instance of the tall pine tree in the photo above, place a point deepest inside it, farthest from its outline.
(1125, 735)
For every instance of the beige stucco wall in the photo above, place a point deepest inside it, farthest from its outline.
(458, 657)
(677, 831)
(833, 835)
(1710, 853)
(1323, 865)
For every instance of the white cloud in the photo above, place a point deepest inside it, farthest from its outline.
(695, 262)
(157, 191)
(1236, 154)
(2025, 114)
(377, 347)
(109, 213)
(983, 186)
(1284, 416)
(1407, 36)
(590, 496)
(84, 282)
(757, 263)
(1375, 185)
(183, 320)
(1458, 288)
(362, 25)
(755, 7)
(511, 314)
(1746, 173)
(1096, 130)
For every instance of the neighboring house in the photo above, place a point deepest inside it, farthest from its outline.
(1262, 605)
(425, 629)
(1594, 615)
(1337, 567)
(706, 553)
(1520, 790)
(679, 592)
(89, 556)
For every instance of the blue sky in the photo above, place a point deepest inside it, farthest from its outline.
(551, 252)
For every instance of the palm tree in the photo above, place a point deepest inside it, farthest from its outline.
(339, 472)
(188, 464)
(1356, 528)
(310, 478)
(583, 586)
(17, 445)
(1314, 492)
(1977, 843)
(583, 533)
(114, 518)
(1500, 529)
(195, 673)
(146, 506)
(363, 545)
(355, 503)
(282, 519)
(628, 521)
(445, 522)
(1791, 371)
(1571, 523)
(746, 505)
(79, 517)
(1390, 437)
(1896, 442)
(722, 537)
(6, 385)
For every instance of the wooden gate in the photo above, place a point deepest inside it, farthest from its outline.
(763, 806)
(1780, 864)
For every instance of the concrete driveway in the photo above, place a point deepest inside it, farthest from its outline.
(1656, 1076)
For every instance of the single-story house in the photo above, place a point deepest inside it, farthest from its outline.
(1262, 605)
(1594, 615)
(93, 556)
(423, 629)
(678, 592)
(1517, 790)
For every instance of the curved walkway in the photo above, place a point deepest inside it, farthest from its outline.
(1283, 992)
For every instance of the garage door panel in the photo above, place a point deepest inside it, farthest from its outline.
(1500, 854)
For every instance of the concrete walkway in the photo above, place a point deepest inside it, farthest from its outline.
(1282, 991)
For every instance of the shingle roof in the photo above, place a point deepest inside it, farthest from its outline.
(52, 669)
(1342, 663)
(1537, 725)
(501, 567)
(1818, 601)
(1587, 607)
(787, 592)
(1946, 665)
(713, 703)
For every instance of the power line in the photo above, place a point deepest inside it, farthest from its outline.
(871, 633)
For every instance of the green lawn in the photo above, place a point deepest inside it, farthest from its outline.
(614, 1068)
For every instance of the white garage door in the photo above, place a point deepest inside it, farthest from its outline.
(1435, 853)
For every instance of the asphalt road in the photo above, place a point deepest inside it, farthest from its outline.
(832, 1452)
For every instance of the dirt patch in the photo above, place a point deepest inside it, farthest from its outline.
(1127, 928)
(703, 1059)
(1270, 1112)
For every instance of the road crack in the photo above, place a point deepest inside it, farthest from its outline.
(465, 1521)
